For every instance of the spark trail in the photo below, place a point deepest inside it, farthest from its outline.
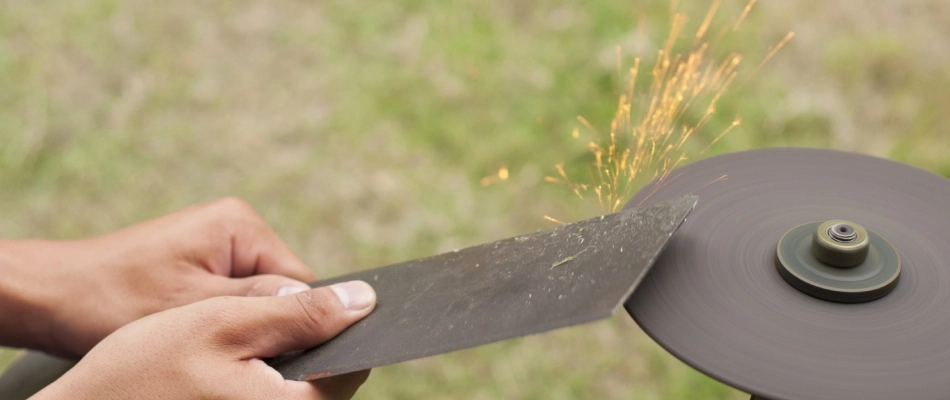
(651, 126)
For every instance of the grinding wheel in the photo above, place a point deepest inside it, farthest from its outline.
(716, 299)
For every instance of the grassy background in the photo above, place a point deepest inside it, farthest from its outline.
(360, 131)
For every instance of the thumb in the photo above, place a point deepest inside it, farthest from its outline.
(270, 326)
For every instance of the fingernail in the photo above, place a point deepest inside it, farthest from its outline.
(355, 295)
(291, 289)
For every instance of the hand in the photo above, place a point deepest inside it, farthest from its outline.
(67, 296)
(213, 349)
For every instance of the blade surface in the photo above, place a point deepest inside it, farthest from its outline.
(527, 284)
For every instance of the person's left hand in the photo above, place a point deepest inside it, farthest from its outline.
(75, 293)
(213, 349)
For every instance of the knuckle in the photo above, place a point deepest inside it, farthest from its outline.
(234, 214)
(234, 206)
(319, 313)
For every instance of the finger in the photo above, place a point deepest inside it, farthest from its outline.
(330, 388)
(255, 286)
(267, 327)
(258, 250)
(340, 386)
(255, 247)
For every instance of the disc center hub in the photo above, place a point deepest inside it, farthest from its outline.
(838, 261)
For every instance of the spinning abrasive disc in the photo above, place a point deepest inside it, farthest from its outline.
(721, 299)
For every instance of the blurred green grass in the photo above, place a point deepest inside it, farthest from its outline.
(360, 130)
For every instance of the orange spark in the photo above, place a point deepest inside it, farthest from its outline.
(651, 127)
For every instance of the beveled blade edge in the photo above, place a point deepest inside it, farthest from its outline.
(677, 214)
(495, 311)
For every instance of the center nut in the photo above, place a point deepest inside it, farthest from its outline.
(838, 261)
(840, 244)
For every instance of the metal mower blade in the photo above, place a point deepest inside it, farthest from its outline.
(527, 284)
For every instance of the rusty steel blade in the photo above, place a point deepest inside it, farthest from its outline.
(573, 274)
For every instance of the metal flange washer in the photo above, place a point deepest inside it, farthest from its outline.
(838, 261)
(806, 274)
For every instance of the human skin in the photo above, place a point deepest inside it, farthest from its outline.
(212, 349)
(65, 297)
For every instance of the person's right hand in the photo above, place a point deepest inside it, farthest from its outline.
(213, 349)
